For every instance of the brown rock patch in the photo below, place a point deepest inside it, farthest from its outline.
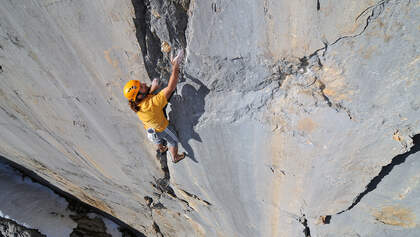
(396, 216)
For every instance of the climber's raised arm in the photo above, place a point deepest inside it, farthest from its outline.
(173, 80)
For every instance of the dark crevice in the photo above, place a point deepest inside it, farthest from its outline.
(336, 106)
(8, 113)
(158, 206)
(376, 11)
(149, 42)
(87, 226)
(322, 88)
(153, 205)
(304, 222)
(157, 229)
(399, 159)
(303, 63)
(326, 219)
(163, 160)
(148, 200)
(162, 185)
(214, 7)
(196, 197)
(153, 29)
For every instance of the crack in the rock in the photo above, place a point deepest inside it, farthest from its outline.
(313, 59)
(8, 113)
(196, 197)
(326, 219)
(397, 160)
(157, 229)
(153, 205)
(337, 106)
(304, 222)
(148, 41)
(87, 226)
(157, 60)
(164, 188)
(163, 185)
(373, 15)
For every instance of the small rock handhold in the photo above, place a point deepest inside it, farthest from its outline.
(397, 136)
(148, 200)
(158, 206)
(326, 219)
(179, 57)
(155, 14)
(165, 47)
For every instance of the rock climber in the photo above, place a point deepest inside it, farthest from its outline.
(149, 109)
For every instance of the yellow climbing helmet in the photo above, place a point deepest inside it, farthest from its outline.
(131, 89)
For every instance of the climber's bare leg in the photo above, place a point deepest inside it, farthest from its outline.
(175, 156)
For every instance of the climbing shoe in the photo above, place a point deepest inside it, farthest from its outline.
(162, 150)
(178, 158)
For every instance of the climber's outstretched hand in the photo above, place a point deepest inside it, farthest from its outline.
(178, 59)
(173, 80)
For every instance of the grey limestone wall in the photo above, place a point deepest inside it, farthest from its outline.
(298, 116)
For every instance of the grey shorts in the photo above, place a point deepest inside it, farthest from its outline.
(169, 135)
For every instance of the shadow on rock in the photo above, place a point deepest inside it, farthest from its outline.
(186, 109)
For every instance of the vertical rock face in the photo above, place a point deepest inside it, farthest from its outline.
(62, 111)
(293, 114)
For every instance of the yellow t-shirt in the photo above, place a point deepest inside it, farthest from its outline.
(151, 112)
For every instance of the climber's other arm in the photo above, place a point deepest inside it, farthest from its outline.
(155, 85)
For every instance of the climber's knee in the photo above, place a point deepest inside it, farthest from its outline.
(170, 136)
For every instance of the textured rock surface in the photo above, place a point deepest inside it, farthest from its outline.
(288, 110)
(89, 227)
(11, 228)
